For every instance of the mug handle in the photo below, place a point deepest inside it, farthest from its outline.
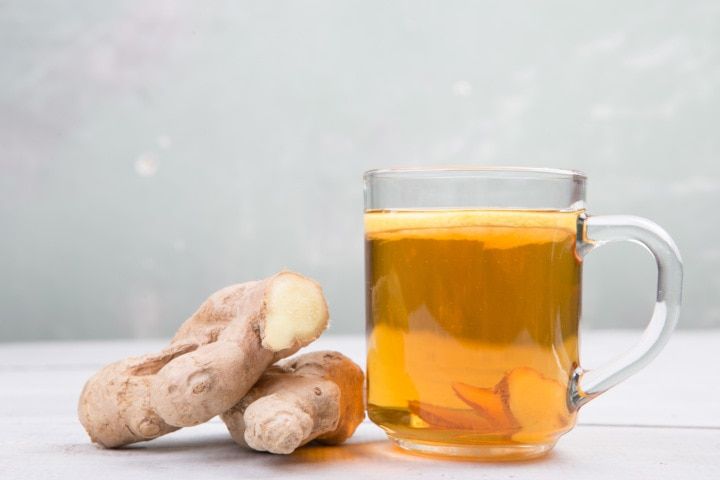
(594, 232)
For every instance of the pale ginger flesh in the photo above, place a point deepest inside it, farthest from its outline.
(315, 396)
(213, 360)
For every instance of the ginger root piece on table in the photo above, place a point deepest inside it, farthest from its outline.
(314, 396)
(213, 360)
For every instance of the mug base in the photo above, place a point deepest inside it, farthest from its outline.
(489, 453)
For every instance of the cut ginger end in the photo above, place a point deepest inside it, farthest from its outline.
(452, 418)
(297, 312)
(538, 404)
(487, 402)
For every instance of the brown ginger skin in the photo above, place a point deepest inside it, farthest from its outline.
(315, 396)
(212, 361)
(115, 406)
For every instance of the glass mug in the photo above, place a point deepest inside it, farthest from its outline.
(473, 288)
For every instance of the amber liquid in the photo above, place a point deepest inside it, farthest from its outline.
(479, 298)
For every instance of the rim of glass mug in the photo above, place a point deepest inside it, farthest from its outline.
(474, 187)
(449, 169)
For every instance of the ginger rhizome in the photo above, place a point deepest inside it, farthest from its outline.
(490, 403)
(523, 405)
(537, 403)
(214, 359)
(315, 396)
(452, 418)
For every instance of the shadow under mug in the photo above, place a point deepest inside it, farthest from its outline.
(473, 291)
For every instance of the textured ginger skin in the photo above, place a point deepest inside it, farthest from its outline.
(212, 361)
(315, 396)
(115, 406)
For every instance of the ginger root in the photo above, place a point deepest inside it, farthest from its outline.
(315, 396)
(523, 404)
(488, 402)
(451, 418)
(212, 362)
(538, 404)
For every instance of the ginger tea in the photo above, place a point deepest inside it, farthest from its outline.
(472, 322)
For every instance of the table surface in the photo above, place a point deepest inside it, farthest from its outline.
(662, 423)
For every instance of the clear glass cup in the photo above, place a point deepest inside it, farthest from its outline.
(473, 289)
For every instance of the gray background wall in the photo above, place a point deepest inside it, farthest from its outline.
(152, 152)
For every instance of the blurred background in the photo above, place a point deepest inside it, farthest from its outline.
(153, 152)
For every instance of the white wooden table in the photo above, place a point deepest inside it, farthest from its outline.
(662, 423)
